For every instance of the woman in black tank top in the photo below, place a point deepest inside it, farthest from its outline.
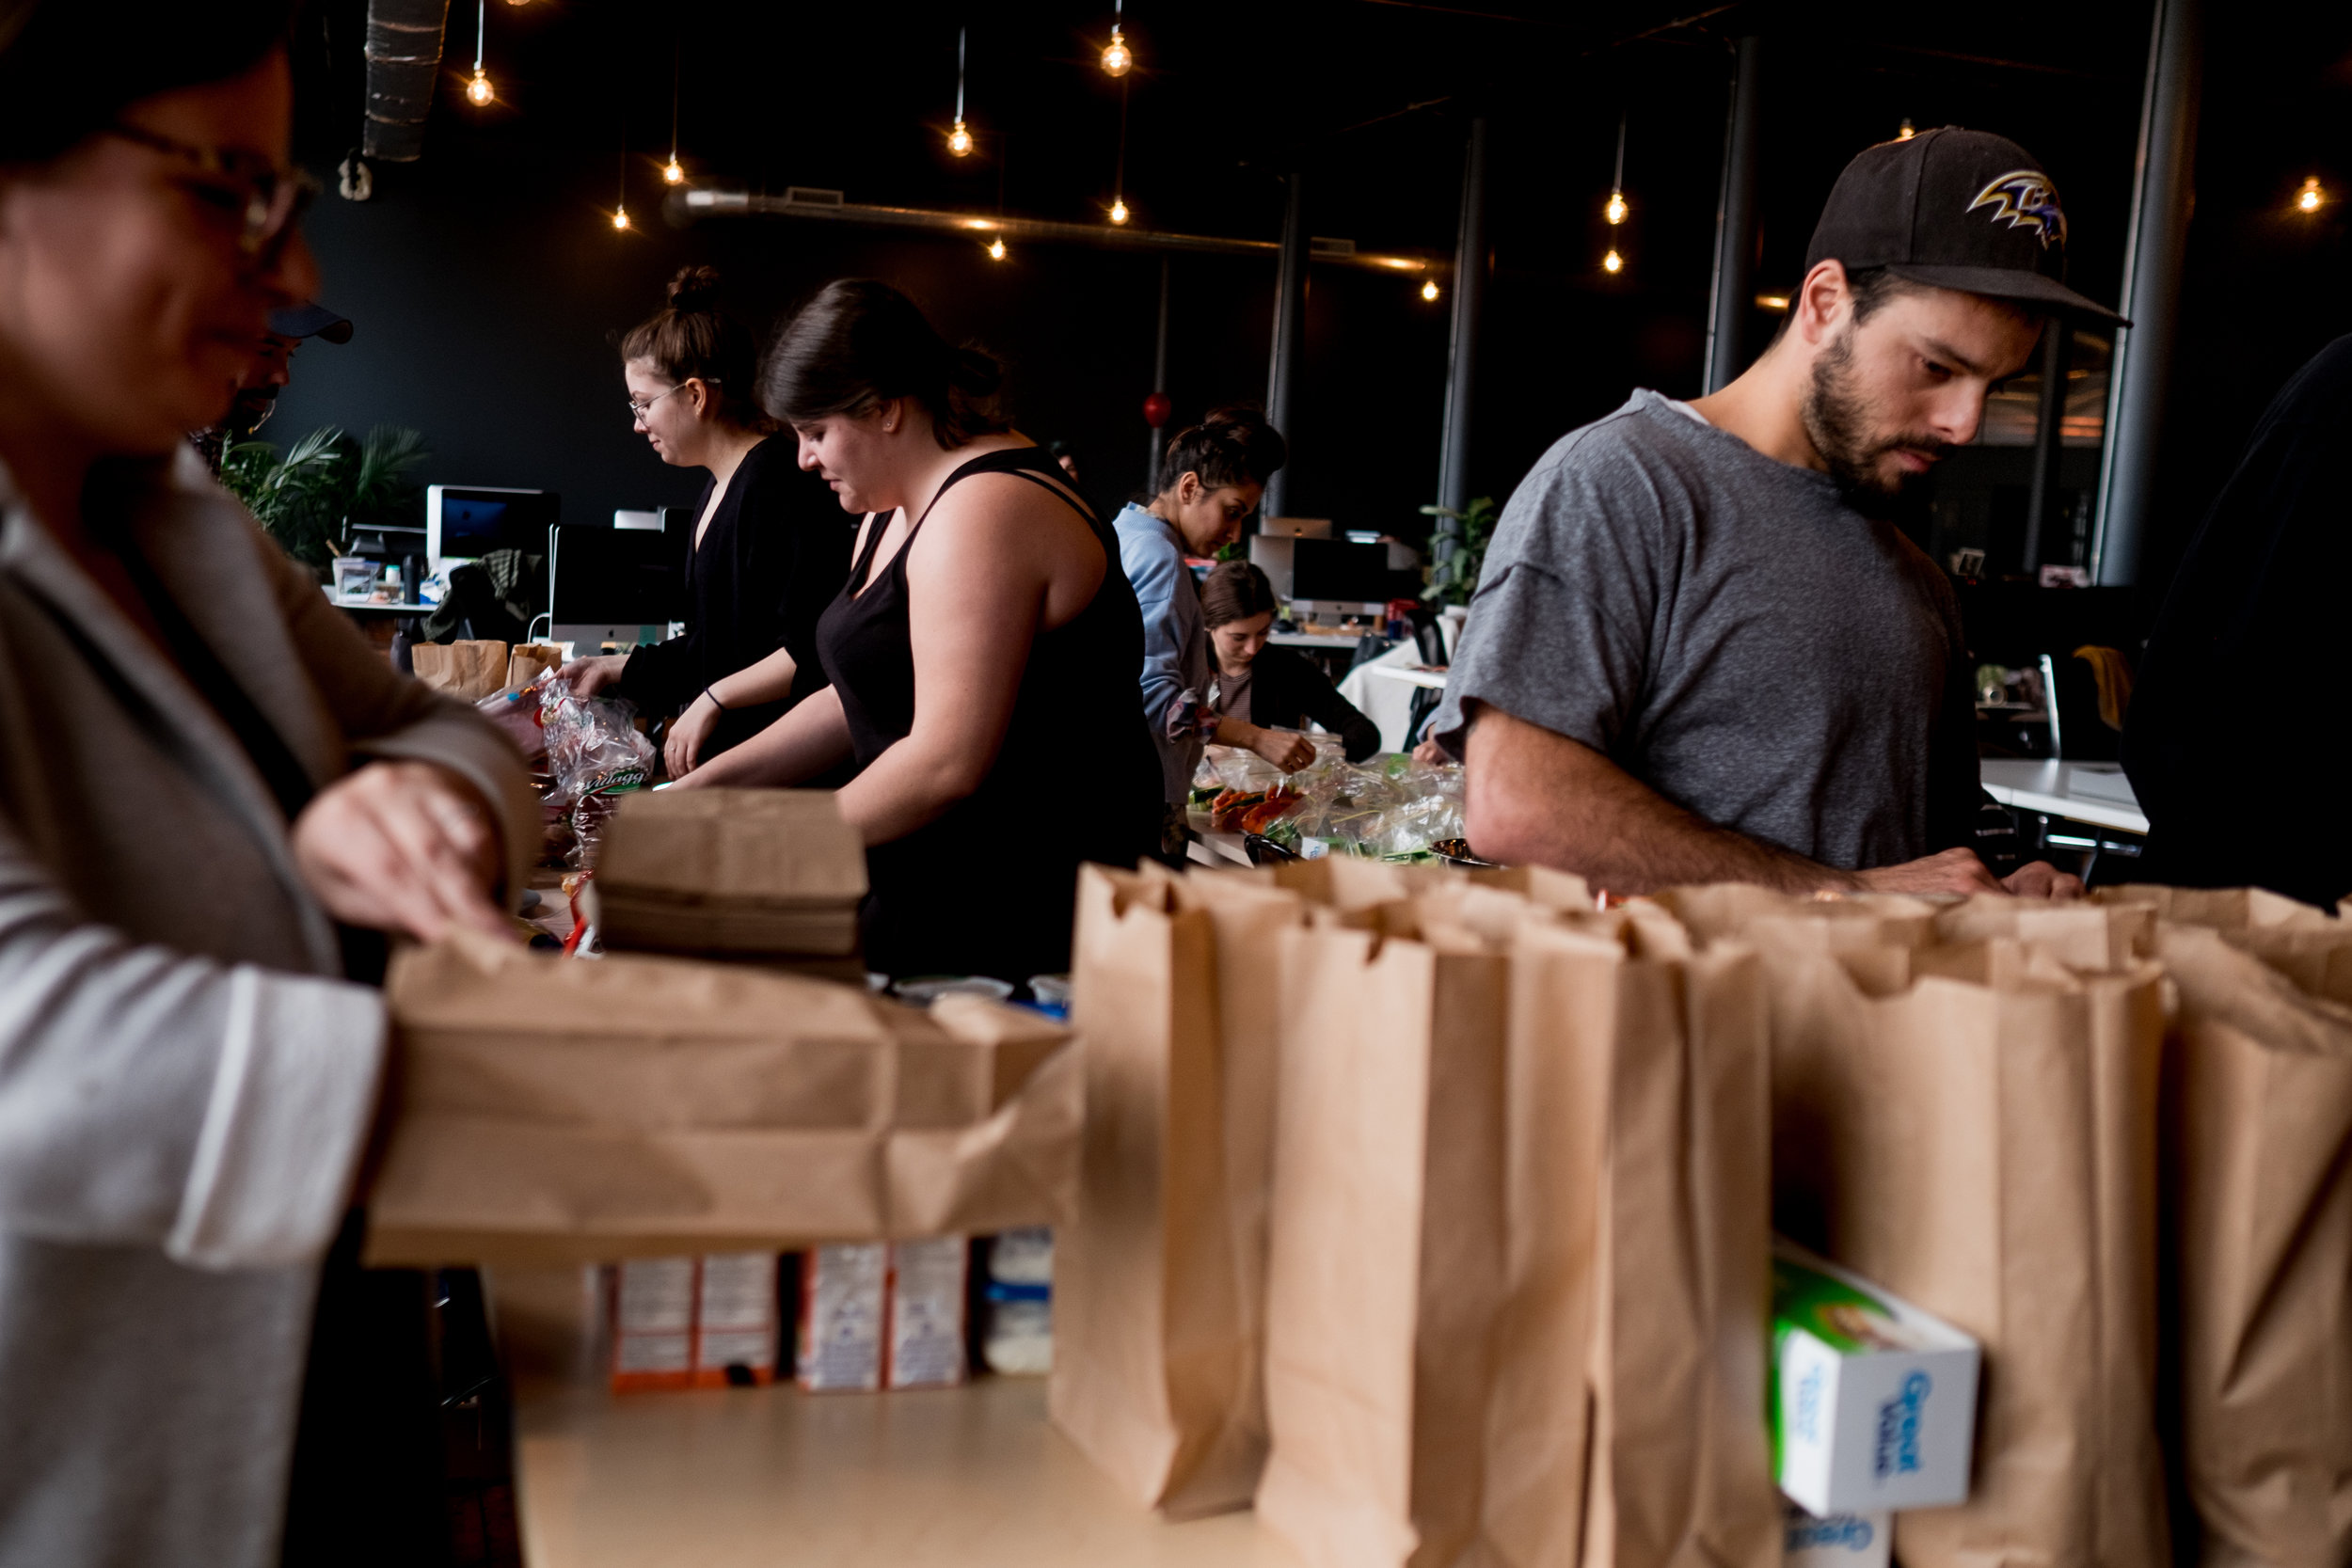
(981, 656)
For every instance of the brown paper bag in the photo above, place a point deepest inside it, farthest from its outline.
(1983, 1138)
(1158, 1281)
(2306, 944)
(2080, 934)
(2261, 1222)
(737, 872)
(1387, 1257)
(1629, 1355)
(470, 669)
(526, 661)
(548, 1110)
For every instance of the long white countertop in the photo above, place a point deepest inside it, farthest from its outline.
(763, 1477)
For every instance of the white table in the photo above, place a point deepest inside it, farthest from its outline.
(1382, 691)
(767, 1478)
(2092, 792)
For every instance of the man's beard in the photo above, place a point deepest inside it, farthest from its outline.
(1837, 420)
(250, 412)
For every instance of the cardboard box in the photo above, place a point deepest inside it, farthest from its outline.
(926, 1301)
(653, 1324)
(736, 1320)
(1874, 1402)
(843, 1297)
(1840, 1541)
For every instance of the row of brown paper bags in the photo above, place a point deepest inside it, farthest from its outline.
(1433, 1215)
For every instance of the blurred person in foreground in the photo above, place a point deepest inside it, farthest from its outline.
(2251, 642)
(981, 657)
(1701, 650)
(203, 771)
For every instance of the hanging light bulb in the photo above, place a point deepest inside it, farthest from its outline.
(960, 139)
(478, 90)
(1119, 210)
(1429, 290)
(996, 248)
(1905, 130)
(1612, 263)
(673, 172)
(620, 219)
(1614, 211)
(2310, 196)
(1117, 59)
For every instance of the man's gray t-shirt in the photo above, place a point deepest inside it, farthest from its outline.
(1729, 632)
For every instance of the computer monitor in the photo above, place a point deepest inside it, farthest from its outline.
(611, 585)
(465, 522)
(1340, 574)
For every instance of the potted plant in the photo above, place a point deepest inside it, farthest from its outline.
(327, 488)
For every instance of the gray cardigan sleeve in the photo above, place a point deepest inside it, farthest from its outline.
(385, 715)
(150, 1096)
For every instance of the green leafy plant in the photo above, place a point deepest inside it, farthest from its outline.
(1458, 550)
(326, 487)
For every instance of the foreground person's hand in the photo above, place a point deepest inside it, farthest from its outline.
(402, 847)
(2041, 880)
(1430, 754)
(593, 674)
(1953, 871)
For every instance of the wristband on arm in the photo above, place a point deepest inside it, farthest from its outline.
(714, 700)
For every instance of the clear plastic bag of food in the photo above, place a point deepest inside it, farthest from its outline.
(517, 716)
(595, 755)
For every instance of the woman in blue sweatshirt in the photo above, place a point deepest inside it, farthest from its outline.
(1217, 474)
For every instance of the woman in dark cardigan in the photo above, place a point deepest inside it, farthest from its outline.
(771, 544)
(1265, 686)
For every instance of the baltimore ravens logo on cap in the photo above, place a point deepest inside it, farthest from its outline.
(2025, 199)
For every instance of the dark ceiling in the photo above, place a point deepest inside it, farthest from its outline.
(1369, 95)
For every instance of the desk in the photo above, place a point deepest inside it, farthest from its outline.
(376, 607)
(2092, 792)
(762, 1477)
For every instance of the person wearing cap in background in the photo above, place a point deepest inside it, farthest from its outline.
(266, 375)
(1701, 650)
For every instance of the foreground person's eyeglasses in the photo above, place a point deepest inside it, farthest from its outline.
(245, 187)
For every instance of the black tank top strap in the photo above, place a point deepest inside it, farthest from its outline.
(1030, 462)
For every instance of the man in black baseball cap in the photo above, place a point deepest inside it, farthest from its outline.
(266, 375)
(1700, 650)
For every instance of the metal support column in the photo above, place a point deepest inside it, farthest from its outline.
(1289, 311)
(2162, 191)
(1469, 290)
(1735, 223)
(2042, 494)
(1159, 384)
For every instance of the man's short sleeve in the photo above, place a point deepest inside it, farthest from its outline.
(1558, 631)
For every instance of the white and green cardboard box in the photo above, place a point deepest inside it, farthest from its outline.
(1840, 1541)
(1874, 1402)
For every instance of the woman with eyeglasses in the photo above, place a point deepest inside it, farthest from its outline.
(981, 656)
(204, 771)
(769, 547)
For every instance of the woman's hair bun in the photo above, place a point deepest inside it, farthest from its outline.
(1230, 446)
(694, 289)
(976, 372)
